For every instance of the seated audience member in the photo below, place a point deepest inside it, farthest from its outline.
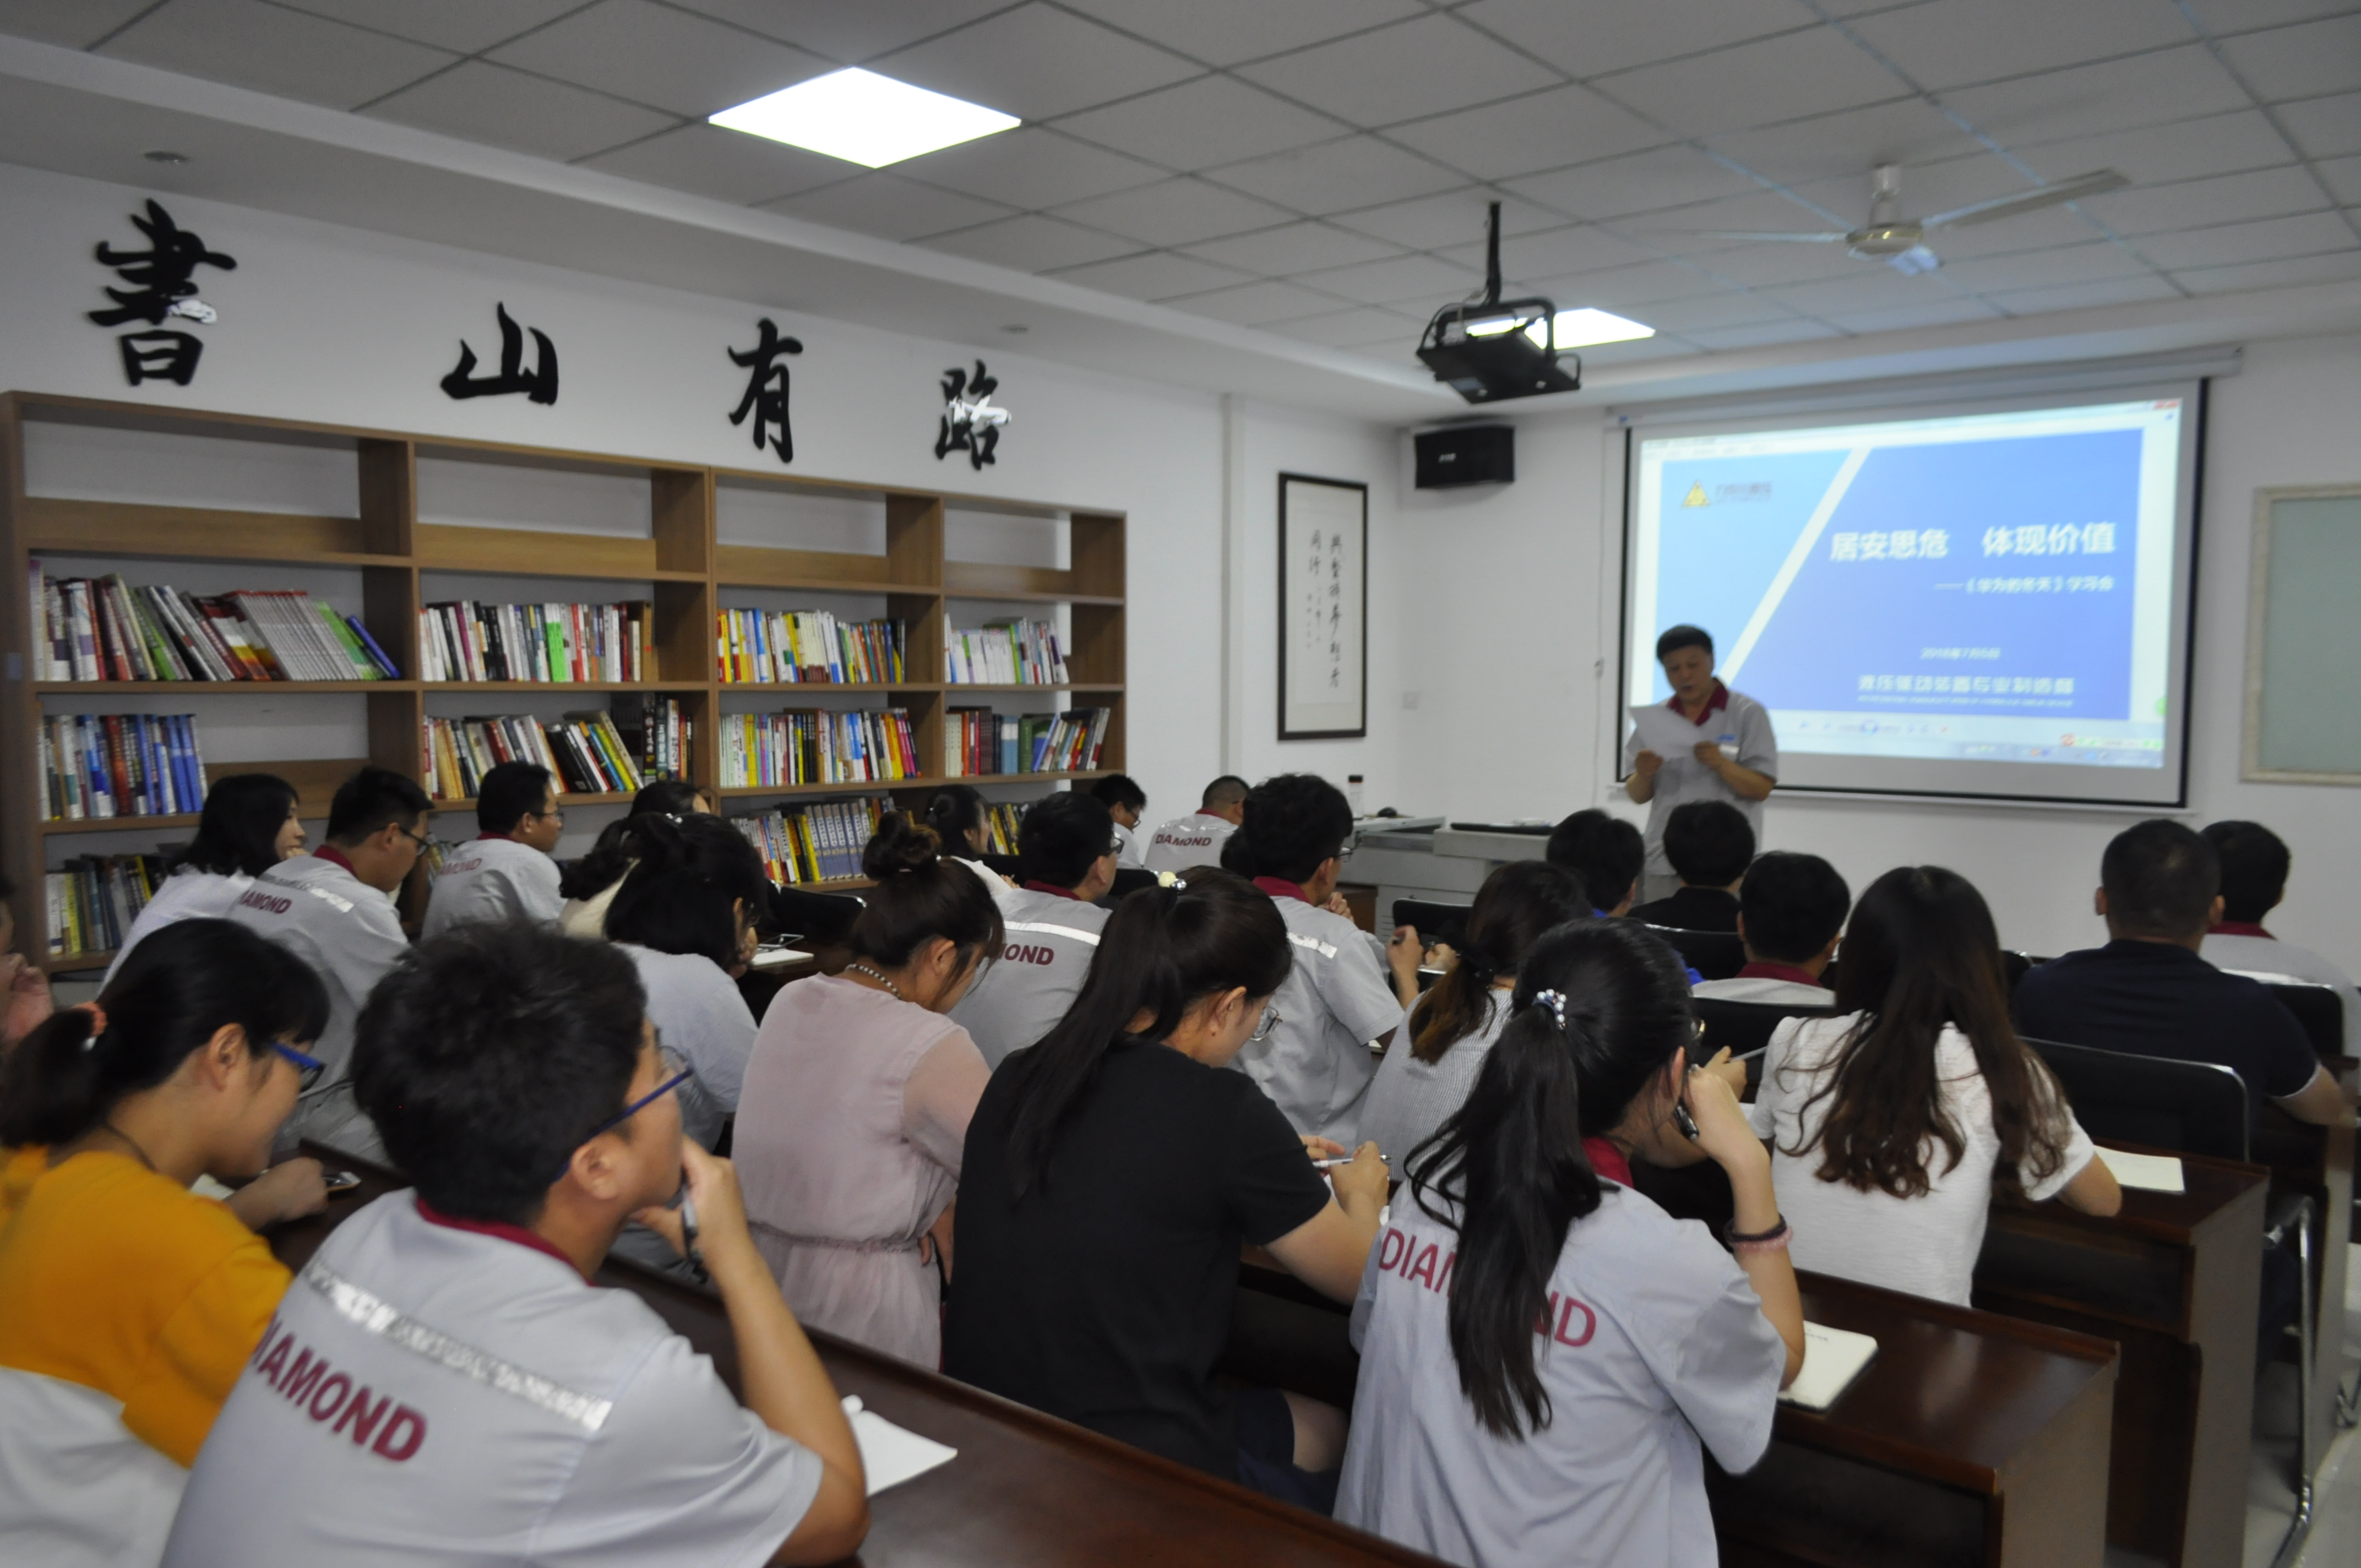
(520, 1413)
(1113, 1172)
(1065, 863)
(1709, 843)
(961, 818)
(1197, 839)
(591, 882)
(2254, 879)
(334, 909)
(857, 1101)
(1543, 1395)
(2147, 993)
(1790, 910)
(128, 1305)
(24, 1000)
(1124, 801)
(1316, 1061)
(506, 874)
(1442, 1040)
(1889, 1125)
(248, 825)
(1606, 853)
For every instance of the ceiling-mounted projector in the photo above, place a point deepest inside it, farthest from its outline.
(1492, 350)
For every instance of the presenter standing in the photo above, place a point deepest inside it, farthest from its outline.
(1734, 758)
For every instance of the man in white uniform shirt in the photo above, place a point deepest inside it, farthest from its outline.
(506, 874)
(1124, 801)
(2255, 864)
(1735, 757)
(1065, 863)
(1791, 908)
(1197, 839)
(444, 1384)
(1316, 1061)
(334, 909)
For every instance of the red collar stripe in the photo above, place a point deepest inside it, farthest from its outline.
(2240, 928)
(1279, 887)
(334, 857)
(500, 1228)
(1039, 886)
(1770, 969)
(1713, 705)
(1608, 1161)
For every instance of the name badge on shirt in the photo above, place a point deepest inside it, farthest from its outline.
(1728, 744)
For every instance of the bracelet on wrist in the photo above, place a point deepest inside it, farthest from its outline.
(1775, 1239)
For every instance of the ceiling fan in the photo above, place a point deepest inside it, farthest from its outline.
(1899, 242)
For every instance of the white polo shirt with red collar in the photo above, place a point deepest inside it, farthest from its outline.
(1052, 937)
(1337, 1000)
(493, 880)
(1186, 842)
(1741, 727)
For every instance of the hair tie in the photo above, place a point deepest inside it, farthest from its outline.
(1556, 1002)
(97, 1022)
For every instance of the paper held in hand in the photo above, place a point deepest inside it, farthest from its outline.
(2149, 1172)
(890, 1454)
(1832, 1359)
(1668, 733)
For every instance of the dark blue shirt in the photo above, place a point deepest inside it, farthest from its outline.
(2159, 999)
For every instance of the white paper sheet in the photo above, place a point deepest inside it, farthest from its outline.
(770, 957)
(892, 1455)
(1832, 1359)
(2149, 1172)
(1666, 733)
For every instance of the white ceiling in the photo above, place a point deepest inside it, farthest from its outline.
(1318, 169)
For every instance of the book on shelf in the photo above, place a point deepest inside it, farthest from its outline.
(1002, 818)
(658, 732)
(584, 752)
(104, 628)
(1004, 652)
(819, 841)
(817, 746)
(94, 899)
(980, 742)
(120, 765)
(554, 644)
(758, 647)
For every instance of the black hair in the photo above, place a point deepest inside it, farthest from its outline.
(1118, 789)
(1510, 1160)
(611, 858)
(488, 1056)
(921, 895)
(1518, 902)
(509, 793)
(175, 991)
(955, 812)
(695, 883)
(2160, 878)
(1683, 636)
(1163, 949)
(2254, 869)
(1604, 850)
(373, 800)
(1062, 838)
(1710, 843)
(1223, 793)
(669, 798)
(1294, 822)
(238, 832)
(1792, 904)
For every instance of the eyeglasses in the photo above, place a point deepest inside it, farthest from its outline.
(554, 814)
(1270, 1020)
(308, 1069)
(417, 838)
(677, 1071)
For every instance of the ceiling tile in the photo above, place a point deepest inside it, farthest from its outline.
(1223, 32)
(1436, 223)
(1540, 130)
(2181, 150)
(1662, 347)
(2086, 100)
(727, 165)
(848, 33)
(2045, 269)
(2302, 61)
(1949, 43)
(2223, 17)
(2039, 230)
(1759, 83)
(1429, 65)
(2330, 268)
(2343, 177)
(1849, 144)
(1037, 62)
(663, 58)
(1360, 326)
(2273, 240)
(2138, 291)
(2193, 204)
(1587, 38)
(1722, 339)
(1159, 276)
(76, 24)
(890, 206)
(1638, 182)
(507, 109)
(2325, 128)
(1873, 287)
(1770, 266)
(1641, 285)
(1257, 304)
(1214, 119)
(465, 26)
(1421, 279)
(1175, 212)
(1030, 243)
(1584, 248)
(1029, 168)
(1731, 307)
(1298, 248)
(1356, 171)
(289, 53)
(1688, 230)
(1933, 313)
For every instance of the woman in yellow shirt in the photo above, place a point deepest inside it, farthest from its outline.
(128, 1304)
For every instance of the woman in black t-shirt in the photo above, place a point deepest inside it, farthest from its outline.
(1112, 1173)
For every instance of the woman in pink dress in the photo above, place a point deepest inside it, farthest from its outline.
(856, 1104)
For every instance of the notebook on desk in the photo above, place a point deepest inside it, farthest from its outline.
(1832, 1359)
(2147, 1172)
(890, 1454)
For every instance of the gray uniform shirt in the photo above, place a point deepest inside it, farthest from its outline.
(1022, 997)
(1409, 1098)
(1653, 1347)
(432, 1394)
(701, 1014)
(1195, 840)
(1126, 847)
(1744, 724)
(185, 896)
(493, 881)
(1316, 1065)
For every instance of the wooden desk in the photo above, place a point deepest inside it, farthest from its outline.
(1027, 1490)
(2318, 1161)
(2172, 1279)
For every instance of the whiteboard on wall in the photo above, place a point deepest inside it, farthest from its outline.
(1324, 591)
(2303, 640)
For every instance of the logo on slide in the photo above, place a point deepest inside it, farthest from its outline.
(1696, 497)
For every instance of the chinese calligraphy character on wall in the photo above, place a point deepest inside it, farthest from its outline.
(161, 284)
(767, 388)
(539, 384)
(1324, 609)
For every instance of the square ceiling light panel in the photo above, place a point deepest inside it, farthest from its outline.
(863, 118)
(1588, 328)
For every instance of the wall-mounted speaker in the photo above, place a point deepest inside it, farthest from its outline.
(1467, 454)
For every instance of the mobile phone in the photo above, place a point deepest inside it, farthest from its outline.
(1684, 1121)
(339, 1182)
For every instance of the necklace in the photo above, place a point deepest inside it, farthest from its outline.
(111, 1127)
(880, 979)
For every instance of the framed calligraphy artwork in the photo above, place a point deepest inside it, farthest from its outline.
(1324, 609)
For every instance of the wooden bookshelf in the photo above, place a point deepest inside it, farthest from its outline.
(681, 562)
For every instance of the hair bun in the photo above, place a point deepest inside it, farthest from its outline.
(899, 844)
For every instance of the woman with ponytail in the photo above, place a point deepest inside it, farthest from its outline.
(1113, 1171)
(128, 1305)
(856, 1104)
(591, 883)
(1543, 1349)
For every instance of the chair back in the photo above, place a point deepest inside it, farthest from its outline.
(1714, 955)
(1744, 1027)
(2197, 1107)
(2013, 965)
(2321, 1010)
(823, 917)
(1004, 864)
(1128, 880)
(1435, 922)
